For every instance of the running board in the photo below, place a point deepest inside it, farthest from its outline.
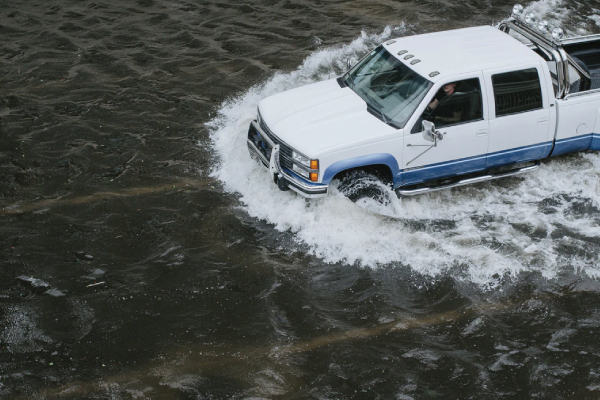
(469, 181)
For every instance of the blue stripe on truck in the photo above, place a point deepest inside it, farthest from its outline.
(577, 143)
(465, 165)
(476, 163)
(442, 170)
(595, 142)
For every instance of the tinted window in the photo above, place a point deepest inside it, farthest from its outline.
(463, 105)
(517, 91)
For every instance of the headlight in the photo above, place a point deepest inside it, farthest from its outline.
(305, 167)
(299, 158)
(557, 33)
(311, 175)
(301, 171)
(530, 18)
(517, 9)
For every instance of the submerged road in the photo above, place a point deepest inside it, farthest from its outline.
(144, 255)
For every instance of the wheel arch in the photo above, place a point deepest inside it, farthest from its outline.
(382, 164)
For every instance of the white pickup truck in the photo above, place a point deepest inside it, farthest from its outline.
(437, 110)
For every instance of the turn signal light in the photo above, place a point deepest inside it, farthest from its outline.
(314, 164)
(314, 176)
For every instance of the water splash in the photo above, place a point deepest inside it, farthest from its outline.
(544, 222)
(576, 18)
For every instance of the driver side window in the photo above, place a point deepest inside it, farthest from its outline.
(455, 103)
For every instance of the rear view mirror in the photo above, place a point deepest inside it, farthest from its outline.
(428, 130)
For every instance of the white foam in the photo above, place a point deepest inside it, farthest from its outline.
(474, 233)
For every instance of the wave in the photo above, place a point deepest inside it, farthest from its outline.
(545, 222)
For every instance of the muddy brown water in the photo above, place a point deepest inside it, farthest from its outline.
(129, 270)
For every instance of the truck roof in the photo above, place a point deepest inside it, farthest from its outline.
(461, 51)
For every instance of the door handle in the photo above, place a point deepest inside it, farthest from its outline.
(482, 132)
(542, 121)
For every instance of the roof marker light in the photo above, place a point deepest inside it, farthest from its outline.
(543, 25)
(434, 73)
(402, 52)
(517, 10)
(558, 33)
(408, 57)
(413, 62)
(391, 42)
(530, 18)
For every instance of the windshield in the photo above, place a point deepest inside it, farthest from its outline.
(391, 90)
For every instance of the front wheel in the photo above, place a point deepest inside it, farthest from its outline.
(359, 184)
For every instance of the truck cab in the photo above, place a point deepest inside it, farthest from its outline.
(434, 111)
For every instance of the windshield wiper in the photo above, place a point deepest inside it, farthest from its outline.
(378, 73)
(377, 113)
(386, 120)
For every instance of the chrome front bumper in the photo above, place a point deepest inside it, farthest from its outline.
(279, 176)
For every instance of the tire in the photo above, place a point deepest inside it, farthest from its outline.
(360, 184)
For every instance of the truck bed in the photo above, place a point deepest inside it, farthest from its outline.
(587, 53)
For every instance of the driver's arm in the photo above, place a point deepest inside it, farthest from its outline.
(434, 103)
(436, 99)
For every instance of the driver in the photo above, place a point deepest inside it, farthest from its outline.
(446, 90)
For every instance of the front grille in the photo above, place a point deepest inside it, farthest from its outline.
(285, 151)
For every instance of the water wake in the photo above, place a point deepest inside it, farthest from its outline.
(545, 222)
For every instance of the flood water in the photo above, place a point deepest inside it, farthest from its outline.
(143, 254)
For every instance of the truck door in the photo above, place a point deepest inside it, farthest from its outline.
(463, 120)
(522, 122)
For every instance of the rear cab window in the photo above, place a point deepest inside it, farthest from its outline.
(546, 56)
(517, 92)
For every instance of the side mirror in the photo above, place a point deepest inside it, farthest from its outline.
(348, 64)
(428, 131)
